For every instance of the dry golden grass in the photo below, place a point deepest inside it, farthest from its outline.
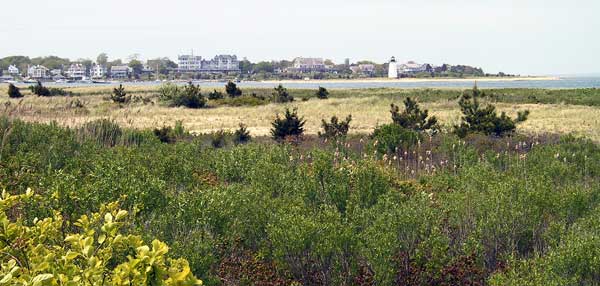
(367, 112)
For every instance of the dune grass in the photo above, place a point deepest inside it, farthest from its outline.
(552, 111)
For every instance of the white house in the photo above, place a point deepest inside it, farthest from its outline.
(13, 70)
(76, 71)
(37, 72)
(308, 65)
(412, 67)
(121, 71)
(98, 71)
(189, 63)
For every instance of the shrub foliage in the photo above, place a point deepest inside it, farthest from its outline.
(413, 118)
(290, 125)
(13, 91)
(479, 119)
(335, 128)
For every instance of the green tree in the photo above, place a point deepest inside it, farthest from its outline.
(119, 95)
(291, 125)
(322, 93)
(335, 128)
(282, 95)
(190, 97)
(39, 89)
(478, 119)
(412, 117)
(241, 135)
(13, 91)
(102, 59)
(232, 89)
(136, 66)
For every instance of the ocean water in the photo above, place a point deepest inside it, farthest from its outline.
(562, 83)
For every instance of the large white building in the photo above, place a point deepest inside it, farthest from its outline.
(121, 71)
(13, 70)
(98, 71)
(220, 63)
(409, 67)
(37, 72)
(76, 71)
(308, 65)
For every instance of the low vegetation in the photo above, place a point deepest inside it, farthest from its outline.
(434, 210)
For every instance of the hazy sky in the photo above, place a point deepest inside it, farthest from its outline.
(526, 36)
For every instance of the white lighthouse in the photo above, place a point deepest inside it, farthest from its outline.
(393, 69)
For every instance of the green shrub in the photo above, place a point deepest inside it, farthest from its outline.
(219, 139)
(477, 119)
(168, 91)
(289, 126)
(241, 135)
(413, 118)
(40, 90)
(232, 90)
(322, 93)
(390, 138)
(13, 91)
(335, 128)
(119, 95)
(189, 97)
(281, 95)
(99, 253)
(215, 95)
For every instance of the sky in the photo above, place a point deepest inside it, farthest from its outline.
(527, 37)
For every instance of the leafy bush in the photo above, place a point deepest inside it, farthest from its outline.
(189, 97)
(232, 90)
(13, 91)
(389, 138)
(39, 89)
(168, 91)
(322, 93)
(119, 95)
(218, 139)
(241, 135)
(477, 119)
(289, 126)
(335, 128)
(413, 118)
(215, 95)
(281, 95)
(41, 253)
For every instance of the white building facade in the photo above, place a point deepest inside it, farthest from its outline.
(220, 63)
(37, 72)
(98, 71)
(76, 71)
(13, 70)
(120, 72)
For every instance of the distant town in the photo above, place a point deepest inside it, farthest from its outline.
(219, 67)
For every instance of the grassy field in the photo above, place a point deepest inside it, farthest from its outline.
(552, 111)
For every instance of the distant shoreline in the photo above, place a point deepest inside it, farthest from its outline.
(411, 80)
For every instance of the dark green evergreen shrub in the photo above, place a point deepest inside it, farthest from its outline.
(39, 89)
(241, 135)
(282, 95)
(232, 90)
(389, 138)
(165, 134)
(13, 91)
(412, 117)
(478, 119)
(190, 97)
(215, 95)
(289, 126)
(119, 95)
(322, 93)
(335, 128)
(219, 139)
